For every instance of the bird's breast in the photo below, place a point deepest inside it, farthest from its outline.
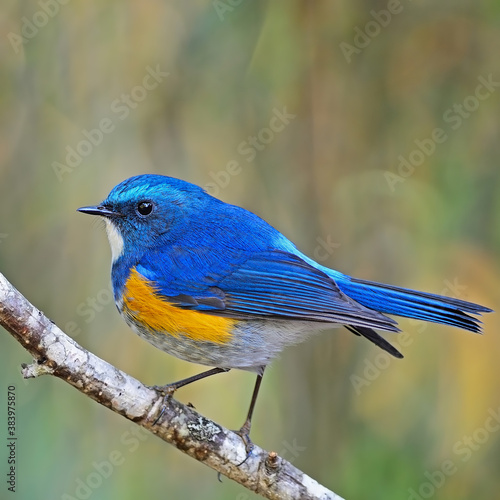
(144, 305)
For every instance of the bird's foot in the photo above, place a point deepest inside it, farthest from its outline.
(244, 434)
(167, 391)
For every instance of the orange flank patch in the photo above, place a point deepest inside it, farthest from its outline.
(143, 303)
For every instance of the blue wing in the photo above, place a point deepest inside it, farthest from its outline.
(276, 284)
(269, 284)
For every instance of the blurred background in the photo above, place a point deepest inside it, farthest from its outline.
(366, 131)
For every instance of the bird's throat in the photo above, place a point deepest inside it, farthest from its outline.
(115, 240)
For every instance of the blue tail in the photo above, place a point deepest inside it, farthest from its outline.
(390, 299)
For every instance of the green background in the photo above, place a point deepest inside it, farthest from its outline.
(360, 423)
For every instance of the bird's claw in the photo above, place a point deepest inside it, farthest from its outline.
(244, 434)
(167, 391)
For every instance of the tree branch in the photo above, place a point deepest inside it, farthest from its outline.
(57, 354)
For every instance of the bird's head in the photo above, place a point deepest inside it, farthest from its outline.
(147, 210)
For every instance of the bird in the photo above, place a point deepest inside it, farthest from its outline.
(214, 284)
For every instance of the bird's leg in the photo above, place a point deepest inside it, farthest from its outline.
(169, 389)
(244, 431)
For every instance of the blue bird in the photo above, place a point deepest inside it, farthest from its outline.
(214, 284)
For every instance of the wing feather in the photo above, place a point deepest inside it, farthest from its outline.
(267, 285)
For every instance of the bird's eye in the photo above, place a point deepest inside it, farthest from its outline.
(144, 208)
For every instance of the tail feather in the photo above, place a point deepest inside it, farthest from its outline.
(390, 299)
(374, 337)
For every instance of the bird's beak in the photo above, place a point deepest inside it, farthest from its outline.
(97, 210)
